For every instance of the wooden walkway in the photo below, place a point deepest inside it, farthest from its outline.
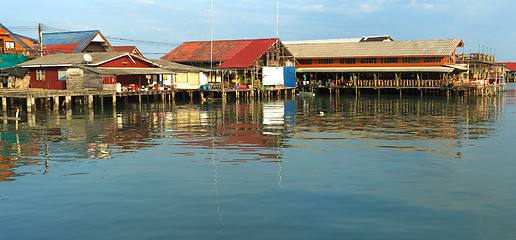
(13, 97)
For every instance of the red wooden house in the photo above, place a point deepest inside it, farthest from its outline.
(101, 68)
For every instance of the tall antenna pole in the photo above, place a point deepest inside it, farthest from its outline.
(211, 39)
(277, 18)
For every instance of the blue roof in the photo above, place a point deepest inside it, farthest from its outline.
(83, 38)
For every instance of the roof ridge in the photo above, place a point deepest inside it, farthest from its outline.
(254, 39)
(73, 32)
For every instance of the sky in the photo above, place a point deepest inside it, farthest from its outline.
(484, 26)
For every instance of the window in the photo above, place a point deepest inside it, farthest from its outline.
(305, 61)
(40, 75)
(431, 59)
(347, 61)
(325, 61)
(61, 75)
(410, 60)
(9, 45)
(368, 60)
(389, 60)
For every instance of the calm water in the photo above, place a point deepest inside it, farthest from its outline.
(368, 167)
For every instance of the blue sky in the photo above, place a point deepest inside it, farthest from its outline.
(487, 24)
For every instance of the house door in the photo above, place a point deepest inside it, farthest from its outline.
(2, 46)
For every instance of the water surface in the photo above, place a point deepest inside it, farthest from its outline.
(329, 167)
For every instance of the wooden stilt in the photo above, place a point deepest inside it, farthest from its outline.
(56, 103)
(90, 101)
(29, 104)
(4, 104)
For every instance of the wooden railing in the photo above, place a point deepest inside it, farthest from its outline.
(401, 83)
(18, 50)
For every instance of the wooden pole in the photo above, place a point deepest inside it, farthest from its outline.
(4, 104)
(90, 101)
(56, 103)
(29, 104)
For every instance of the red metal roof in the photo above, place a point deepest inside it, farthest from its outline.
(60, 48)
(124, 48)
(511, 66)
(237, 53)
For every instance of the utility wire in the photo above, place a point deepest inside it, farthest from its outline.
(116, 39)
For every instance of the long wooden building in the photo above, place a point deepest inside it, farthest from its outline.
(378, 64)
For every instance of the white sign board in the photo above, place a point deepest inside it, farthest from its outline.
(273, 76)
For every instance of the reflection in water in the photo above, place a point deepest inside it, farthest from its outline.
(402, 124)
(248, 131)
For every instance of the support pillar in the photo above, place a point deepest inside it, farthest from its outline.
(68, 101)
(56, 103)
(90, 101)
(4, 104)
(29, 104)
(114, 100)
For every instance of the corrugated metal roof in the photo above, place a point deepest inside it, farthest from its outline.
(61, 48)
(377, 69)
(511, 66)
(177, 66)
(79, 38)
(124, 48)
(440, 47)
(238, 50)
(73, 58)
(249, 54)
(341, 40)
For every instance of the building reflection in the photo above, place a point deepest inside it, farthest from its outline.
(246, 131)
(397, 122)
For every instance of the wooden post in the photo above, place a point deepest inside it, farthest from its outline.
(29, 104)
(90, 101)
(68, 100)
(56, 103)
(4, 104)
(114, 100)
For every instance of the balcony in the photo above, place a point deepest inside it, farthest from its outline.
(18, 50)
(482, 57)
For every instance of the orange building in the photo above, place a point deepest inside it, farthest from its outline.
(386, 63)
(11, 43)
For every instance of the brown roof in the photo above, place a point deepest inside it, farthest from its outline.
(69, 59)
(440, 47)
(177, 66)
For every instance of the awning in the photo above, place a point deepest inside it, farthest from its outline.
(463, 67)
(135, 71)
(15, 71)
(376, 69)
(128, 71)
